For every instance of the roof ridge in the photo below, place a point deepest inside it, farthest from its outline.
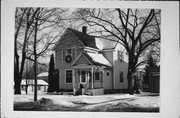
(80, 32)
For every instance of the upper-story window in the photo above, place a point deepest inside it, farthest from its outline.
(121, 77)
(68, 55)
(120, 56)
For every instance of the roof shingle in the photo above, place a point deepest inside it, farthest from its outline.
(86, 39)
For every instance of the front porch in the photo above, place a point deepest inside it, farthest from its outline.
(89, 79)
(88, 73)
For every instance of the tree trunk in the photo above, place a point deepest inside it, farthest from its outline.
(130, 83)
(17, 80)
(26, 86)
(17, 88)
(131, 70)
(35, 62)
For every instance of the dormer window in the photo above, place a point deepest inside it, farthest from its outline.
(120, 56)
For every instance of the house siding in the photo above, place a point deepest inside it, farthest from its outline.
(123, 67)
(112, 56)
(82, 60)
(107, 79)
(68, 41)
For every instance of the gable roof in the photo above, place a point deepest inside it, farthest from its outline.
(95, 59)
(85, 39)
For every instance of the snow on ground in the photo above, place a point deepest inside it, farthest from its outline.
(104, 102)
(62, 99)
(148, 101)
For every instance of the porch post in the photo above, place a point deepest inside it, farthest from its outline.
(92, 77)
(74, 82)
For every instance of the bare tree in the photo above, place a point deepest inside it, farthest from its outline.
(134, 29)
(49, 24)
(25, 21)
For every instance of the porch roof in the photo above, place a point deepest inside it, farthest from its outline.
(96, 59)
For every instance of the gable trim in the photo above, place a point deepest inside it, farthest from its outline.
(89, 48)
(79, 57)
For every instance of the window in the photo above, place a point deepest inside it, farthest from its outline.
(107, 74)
(67, 52)
(98, 75)
(64, 55)
(121, 77)
(68, 76)
(83, 77)
(120, 56)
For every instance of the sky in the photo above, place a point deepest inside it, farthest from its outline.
(46, 58)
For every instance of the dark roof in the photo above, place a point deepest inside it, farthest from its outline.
(86, 39)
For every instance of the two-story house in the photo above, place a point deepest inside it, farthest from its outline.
(82, 64)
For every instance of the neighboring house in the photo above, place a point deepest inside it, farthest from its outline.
(41, 85)
(43, 76)
(83, 61)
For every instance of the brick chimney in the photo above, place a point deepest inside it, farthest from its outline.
(84, 29)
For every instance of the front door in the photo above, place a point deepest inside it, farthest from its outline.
(83, 77)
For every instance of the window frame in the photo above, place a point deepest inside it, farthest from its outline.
(65, 53)
(121, 80)
(120, 56)
(66, 76)
(84, 76)
(100, 75)
(107, 73)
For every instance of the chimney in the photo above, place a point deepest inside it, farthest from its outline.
(84, 29)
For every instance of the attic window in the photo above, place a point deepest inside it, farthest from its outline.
(67, 52)
(120, 56)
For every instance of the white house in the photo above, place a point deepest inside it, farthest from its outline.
(41, 85)
(97, 65)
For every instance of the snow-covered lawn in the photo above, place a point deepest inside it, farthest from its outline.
(110, 102)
